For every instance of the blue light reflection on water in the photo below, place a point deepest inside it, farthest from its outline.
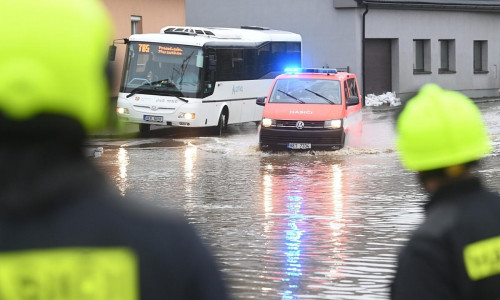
(293, 243)
(311, 215)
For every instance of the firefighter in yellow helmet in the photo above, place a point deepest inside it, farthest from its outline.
(65, 232)
(455, 253)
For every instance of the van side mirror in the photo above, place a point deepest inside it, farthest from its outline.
(261, 101)
(353, 100)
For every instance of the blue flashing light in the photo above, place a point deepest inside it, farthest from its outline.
(310, 70)
(292, 70)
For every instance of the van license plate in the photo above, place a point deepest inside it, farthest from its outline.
(153, 118)
(298, 146)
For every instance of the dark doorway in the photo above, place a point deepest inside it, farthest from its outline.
(377, 66)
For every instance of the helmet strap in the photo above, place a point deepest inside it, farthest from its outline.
(454, 171)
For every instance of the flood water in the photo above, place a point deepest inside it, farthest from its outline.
(313, 225)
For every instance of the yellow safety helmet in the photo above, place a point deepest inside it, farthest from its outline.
(440, 128)
(53, 58)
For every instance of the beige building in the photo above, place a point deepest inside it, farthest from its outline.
(141, 16)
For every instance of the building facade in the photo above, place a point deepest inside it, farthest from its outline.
(140, 16)
(453, 43)
(391, 45)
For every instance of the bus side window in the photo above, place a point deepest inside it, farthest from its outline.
(293, 57)
(210, 72)
(238, 65)
(264, 60)
(224, 64)
(278, 56)
(250, 57)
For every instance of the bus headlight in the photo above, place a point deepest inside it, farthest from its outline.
(268, 122)
(187, 116)
(122, 110)
(333, 124)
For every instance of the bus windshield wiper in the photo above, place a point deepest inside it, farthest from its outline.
(321, 96)
(138, 89)
(293, 97)
(182, 99)
(150, 86)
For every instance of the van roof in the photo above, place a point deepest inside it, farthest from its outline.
(337, 75)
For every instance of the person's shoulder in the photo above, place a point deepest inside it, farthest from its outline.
(439, 219)
(447, 217)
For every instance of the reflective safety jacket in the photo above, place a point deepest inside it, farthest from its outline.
(66, 233)
(455, 253)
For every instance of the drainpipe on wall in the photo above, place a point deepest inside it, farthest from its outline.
(363, 53)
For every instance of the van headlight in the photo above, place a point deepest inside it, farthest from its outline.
(266, 122)
(333, 124)
(187, 116)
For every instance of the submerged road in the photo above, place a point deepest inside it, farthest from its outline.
(287, 225)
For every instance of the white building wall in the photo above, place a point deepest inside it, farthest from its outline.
(463, 27)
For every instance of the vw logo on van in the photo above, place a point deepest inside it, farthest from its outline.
(299, 125)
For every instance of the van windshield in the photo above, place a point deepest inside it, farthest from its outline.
(306, 91)
(162, 69)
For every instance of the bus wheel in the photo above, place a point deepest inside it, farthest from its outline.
(143, 128)
(222, 123)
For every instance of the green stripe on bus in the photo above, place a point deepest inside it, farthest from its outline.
(69, 274)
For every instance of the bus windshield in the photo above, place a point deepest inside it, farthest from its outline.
(162, 69)
(306, 91)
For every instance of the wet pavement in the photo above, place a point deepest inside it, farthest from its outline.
(300, 225)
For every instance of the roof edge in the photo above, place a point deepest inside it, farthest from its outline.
(423, 5)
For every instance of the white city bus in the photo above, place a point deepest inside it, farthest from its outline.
(202, 77)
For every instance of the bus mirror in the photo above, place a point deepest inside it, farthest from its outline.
(112, 53)
(261, 101)
(353, 100)
(112, 48)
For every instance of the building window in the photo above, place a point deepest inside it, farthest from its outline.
(136, 24)
(480, 56)
(447, 48)
(422, 62)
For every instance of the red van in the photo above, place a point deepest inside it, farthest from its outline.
(310, 108)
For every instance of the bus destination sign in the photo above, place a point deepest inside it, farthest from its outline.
(165, 50)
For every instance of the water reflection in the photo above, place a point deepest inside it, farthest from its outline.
(123, 161)
(304, 204)
(293, 241)
(190, 154)
(268, 200)
(337, 225)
